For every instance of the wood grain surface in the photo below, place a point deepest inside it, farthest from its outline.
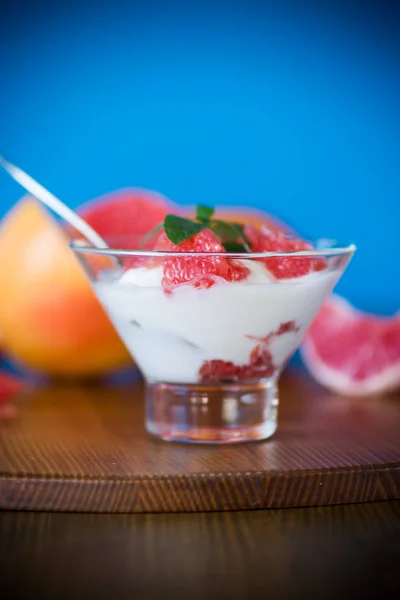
(85, 449)
(329, 553)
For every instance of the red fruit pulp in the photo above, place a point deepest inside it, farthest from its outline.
(353, 352)
(260, 363)
(217, 370)
(201, 270)
(263, 240)
(123, 218)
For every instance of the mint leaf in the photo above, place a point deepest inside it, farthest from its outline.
(234, 247)
(224, 230)
(179, 229)
(204, 213)
(230, 232)
(240, 228)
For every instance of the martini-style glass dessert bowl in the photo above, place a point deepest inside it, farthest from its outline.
(211, 312)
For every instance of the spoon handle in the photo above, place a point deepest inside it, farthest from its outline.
(61, 209)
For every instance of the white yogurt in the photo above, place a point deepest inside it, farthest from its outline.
(171, 336)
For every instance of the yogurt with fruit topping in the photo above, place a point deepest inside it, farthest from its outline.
(216, 302)
(211, 314)
(241, 330)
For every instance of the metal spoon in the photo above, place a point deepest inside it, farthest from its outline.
(61, 209)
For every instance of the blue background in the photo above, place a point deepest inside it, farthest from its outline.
(292, 109)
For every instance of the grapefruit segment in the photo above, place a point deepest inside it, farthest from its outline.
(124, 217)
(265, 240)
(352, 352)
(201, 271)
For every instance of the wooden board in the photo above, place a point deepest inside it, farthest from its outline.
(85, 449)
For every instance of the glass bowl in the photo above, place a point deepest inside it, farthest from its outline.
(211, 351)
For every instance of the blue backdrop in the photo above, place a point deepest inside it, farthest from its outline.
(294, 110)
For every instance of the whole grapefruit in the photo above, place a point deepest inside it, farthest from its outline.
(50, 319)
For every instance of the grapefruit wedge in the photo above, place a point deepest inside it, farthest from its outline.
(124, 217)
(352, 352)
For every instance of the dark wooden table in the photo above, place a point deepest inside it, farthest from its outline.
(84, 449)
(333, 552)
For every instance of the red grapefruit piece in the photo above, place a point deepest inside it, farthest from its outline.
(124, 217)
(352, 352)
(201, 270)
(260, 363)
(265, 240)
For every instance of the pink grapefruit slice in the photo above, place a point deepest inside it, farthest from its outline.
(352, 352)
(124, 217)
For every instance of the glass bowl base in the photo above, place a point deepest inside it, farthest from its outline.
(212, 414)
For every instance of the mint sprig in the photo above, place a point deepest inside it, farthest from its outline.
(204, 213)
(235, 247)
(179, 229)
(230, 232)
